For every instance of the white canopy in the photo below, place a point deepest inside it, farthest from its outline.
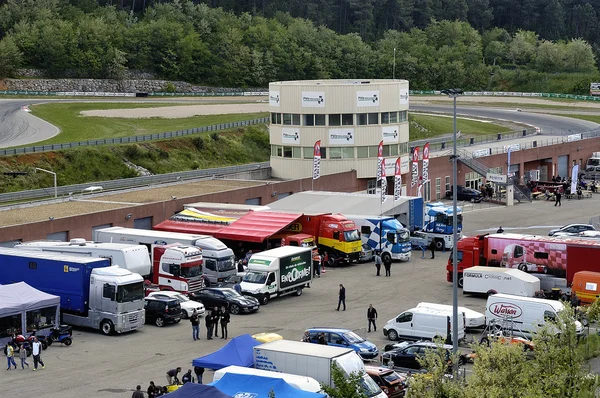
(20, 297)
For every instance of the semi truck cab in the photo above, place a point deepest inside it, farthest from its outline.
(341, 238)
(177, 267)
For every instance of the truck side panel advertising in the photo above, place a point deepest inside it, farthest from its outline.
(295, 270)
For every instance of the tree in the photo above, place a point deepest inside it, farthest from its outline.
(579, 56)
(436, 383)
(10, 57)
(521, 49)
(479, 14)
(346, 386)
(550, 57)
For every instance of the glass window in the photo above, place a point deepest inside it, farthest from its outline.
(287, 151)
(386, 150)
(393, 117)
(372, 187)
(273, 150)
(438, 188)
(279, 151)
(404, 147)
(309, 120)
(210, 264)
(447, 183)
(323, 153)
(347, 153)
(361, 119)
(373, 151)
(296, 152)
(347, 119)
(108, 291)
(308, 152)
(393, 150)
(287, 119)
(335, 153)
(10, 325)
(335, 120)
(319, 120)
(403, 116)
(362, 152)
(373, 118)
(296, 119)
(273, 118)
(385, 117)
(279, 118)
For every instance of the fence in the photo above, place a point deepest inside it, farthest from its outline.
(132, 139)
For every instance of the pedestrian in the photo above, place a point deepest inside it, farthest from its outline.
(165, 390)
(138, 392)
(225, 318)
(500, 230)
(151, 390)
(187, 377)
(372, 316)
(322, 339)
(10, 356)
(237, 287)
(172, 376)
(387, 263)
(216, 315)
(341, 297)
(159, 391)
(378, 264)
(432, 248)
(37, 351)
(316, 261)
(195, 321)
(306, 337)
(558, 195)
(23, 357)
(209, 325)
(199, 371)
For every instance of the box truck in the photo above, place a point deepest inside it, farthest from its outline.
(303, 383)
(92, 292)
(218, 259)
(277, 272)
(313, 360)
(492, 280)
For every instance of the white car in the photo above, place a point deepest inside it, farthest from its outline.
(571, 230)
(187, 306)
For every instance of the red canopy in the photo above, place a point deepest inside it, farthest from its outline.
(256, 226)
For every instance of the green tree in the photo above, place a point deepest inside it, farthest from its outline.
(345, 386)
(11, 57)
(579, 56)
(521, 49)
(479, 14)
(550, 57)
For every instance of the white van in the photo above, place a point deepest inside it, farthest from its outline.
(423, 323)
(303, 383)
(473, 319)
(524, 315)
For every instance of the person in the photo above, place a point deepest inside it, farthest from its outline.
(306, 337)
(432, 248)
(10, 356)
(36, 352)
(151, 390)
(574, 300)
(165, 390)
(341, 297)
(23, 357)
(372, 316)
(187, 377)
(209, 324)
(378, 264)
(138, 392)
(316, 260)
(387, 263)
(247, 257)
(159, 391)
(240, 266)
(216, 315)
(172, 376)
(237, 287)
(558, 195)
(225, 318)
(500, 230)
(322, 339)
(579, 193)
(199, 371)
(195, 321)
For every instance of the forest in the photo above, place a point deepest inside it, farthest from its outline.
(527, 45)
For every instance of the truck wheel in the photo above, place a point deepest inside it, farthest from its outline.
(107, 328)
(460, 280)
(522, 267)
(546, 270)
(330, 261)
(299, 291)
(159, 321)
(264, 299)
(386, 258)
(392, 335)
(234, 309)
(440, 245)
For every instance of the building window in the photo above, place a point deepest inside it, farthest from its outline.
(386, 150)
(496, 170)
(335, 120)
(373, 118)
(473, 180)
(393, 117)
(347, 119)
(438, 187)
(309, 120)
(403, 116)
(393, 150)
(319, 120)
(287, 151)
(323, 153)
(308, 152)
(341, 153)
(373, 151)
(447, 183)
(297, 152)
(273, 150)
(275, 118)
(361, 119)
(427, 191)
(404, 147)
(362, 152)
(385, 118)
(291, 119)
(372, 187)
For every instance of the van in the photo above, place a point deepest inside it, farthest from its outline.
(424, 323)
(524, 315)
(586, 284)
(473, 319)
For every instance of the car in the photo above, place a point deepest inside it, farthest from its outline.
(407, 357)
(390, 382)
(224, 296)
(366, 254)
(345, 338)
(231, 280)
(464, 193)
(571, 230)
(187, 306)
(162, 310)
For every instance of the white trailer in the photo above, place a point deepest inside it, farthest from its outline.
(492, 280)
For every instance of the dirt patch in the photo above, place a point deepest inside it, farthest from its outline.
(175, 112)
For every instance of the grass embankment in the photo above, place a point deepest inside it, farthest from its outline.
(428, 126)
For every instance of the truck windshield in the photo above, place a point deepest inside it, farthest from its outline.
(255, 277)
(403, 236)
(459, 255)
(190, 272)
(225, 264)
(130, 292)
(351, 236)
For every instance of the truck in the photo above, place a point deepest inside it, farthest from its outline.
(492, 280)
(556, 257)
(218, 260)
(278, 272)
(92, 292)
(385, 235)
(313, 360)
(438, 225)
(171, 267)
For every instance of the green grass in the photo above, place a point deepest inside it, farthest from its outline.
(427, 126)
(75, 127)
(589, 118)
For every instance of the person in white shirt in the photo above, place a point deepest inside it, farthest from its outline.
(37, 351)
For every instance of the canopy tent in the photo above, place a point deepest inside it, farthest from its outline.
(191, 390)
(259, 387)
(237, 352)
(256, 226)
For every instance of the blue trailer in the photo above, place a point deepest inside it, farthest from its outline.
(92, 292)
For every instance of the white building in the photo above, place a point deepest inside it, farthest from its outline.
(350, 117)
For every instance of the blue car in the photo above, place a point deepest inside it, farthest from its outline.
(344, 338)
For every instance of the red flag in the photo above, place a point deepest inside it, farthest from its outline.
(317, 160)
(383, 181)
(415, 167)
(397, 181)
(426, 162)
(379, 157)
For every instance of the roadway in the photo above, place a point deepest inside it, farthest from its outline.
(19, 127)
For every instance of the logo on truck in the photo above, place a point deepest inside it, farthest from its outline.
(295, 270)
(505, 309)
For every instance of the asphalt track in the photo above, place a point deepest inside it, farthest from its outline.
(18, 127)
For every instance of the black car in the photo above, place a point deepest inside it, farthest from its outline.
(230, 281)
(223, 296)
(406, 356)
(162, 310)
(469, 194)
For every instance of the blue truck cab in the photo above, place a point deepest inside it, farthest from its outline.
(385, 235)
(438, 218)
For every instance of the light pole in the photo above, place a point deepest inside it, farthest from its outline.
(54, 174)
(454, 93)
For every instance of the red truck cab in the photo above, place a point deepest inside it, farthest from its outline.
(177, 267)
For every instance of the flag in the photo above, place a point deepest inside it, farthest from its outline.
(426, 162)
(379, 157)
(420, 187)
(383, 181)
(317, 161)
(574, 178)
(415, 167)
(397, 181)
(508, 162)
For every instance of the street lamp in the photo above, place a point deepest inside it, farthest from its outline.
(454, 93)
(54, 174)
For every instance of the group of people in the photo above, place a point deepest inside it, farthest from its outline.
(387, 264)
(212, 319)
(172, 378)
(36, 351)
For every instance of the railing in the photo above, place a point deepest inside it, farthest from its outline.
(520, 191)
(436, 145)
(467, 158)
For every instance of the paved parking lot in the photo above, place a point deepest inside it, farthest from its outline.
(112, 366)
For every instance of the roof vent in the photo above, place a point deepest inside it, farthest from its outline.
(77, 242)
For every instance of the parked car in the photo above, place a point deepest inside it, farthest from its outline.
(224, 296)
(571, 230)
(463, 193)
(187, 306)
(345, 338)
(230, 280)
(407, 357)
(162, 310)
(390, 382)
(366, 254)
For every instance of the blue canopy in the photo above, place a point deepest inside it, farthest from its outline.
(238, 385)
(191, 390)
(239, 352)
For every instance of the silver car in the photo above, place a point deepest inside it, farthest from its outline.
(366, 254)
(571, 230)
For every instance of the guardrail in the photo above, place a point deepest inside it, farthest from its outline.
(131, 182)
(132, 139)
(446, 143)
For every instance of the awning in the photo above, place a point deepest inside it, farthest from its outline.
(256, 226)
(200, 228)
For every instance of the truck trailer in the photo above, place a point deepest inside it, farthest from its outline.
(492, 280)
(92, 293)
(278, 272)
